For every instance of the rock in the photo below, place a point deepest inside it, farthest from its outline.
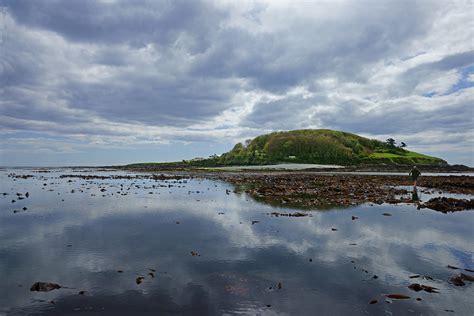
(398, 296)
(415, 287)
(467, 277)
(44, 286)
(445, 205)
(420, 287)
(456, 280)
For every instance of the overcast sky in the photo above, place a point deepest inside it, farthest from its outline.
(112, 82)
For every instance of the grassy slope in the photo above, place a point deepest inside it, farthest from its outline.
(321, 146)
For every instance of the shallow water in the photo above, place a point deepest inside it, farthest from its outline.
(424, 194)
(79, 240)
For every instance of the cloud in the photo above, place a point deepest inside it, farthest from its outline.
(219, 72)
(135, 24)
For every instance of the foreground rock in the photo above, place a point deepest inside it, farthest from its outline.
(44, 287)
(458, 280)
(445, 205)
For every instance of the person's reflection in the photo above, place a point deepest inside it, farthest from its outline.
(414, 196)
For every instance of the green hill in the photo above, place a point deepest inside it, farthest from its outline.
(321, 146)
(313, 146)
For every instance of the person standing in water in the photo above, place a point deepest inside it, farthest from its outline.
(414, 174)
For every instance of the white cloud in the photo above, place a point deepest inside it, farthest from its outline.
(222, 72)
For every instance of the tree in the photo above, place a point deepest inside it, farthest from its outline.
(403, 145)
(391, 142)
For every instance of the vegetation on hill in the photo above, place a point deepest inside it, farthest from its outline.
(320, 146)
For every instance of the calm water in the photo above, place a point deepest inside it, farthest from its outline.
(80, 240)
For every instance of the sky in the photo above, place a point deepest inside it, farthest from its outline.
(116, 82)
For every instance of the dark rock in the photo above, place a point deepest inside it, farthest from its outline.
(467, 277)
(445, 205)
(456, 280)
(398, 296)
(44, 286)
(420, 287)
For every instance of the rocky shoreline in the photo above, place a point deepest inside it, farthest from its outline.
(316, 190)
(167, 167)
(307, 190)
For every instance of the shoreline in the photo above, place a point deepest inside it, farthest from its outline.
(320, 168)
(306, 190)
(312, 190)
(273, 168)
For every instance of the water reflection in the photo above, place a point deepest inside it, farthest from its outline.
(414, 195)
(83, 241)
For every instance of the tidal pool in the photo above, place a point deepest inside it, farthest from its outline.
(205, 250)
